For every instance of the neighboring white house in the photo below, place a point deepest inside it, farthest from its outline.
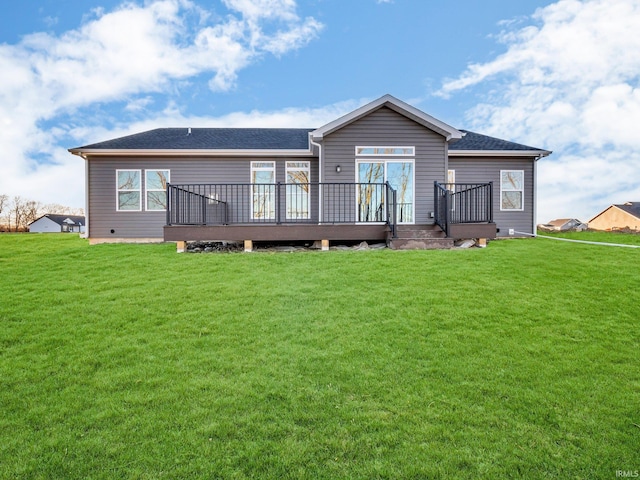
(564, 224)
(51, 223)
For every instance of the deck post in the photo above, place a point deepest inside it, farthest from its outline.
(482, 242)
(248, 245)
(325, 245)
(181, 246)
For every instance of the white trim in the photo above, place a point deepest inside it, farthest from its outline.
(147, 190)
(118, 190)
(86, 199)
(307, 168)
(385, 161)
(512, 190)
(191, 152)
(263, 169)
(499, 153)
(375, 154)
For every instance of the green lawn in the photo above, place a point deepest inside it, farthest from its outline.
(520, 360)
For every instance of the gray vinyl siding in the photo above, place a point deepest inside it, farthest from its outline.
(478, 170)
(384, 127)
(103, 216)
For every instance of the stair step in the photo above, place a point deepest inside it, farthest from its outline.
(420, 237)
(421, 243)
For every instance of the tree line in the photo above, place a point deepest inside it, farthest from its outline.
(17, 213)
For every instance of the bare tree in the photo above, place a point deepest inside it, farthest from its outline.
(4, 203)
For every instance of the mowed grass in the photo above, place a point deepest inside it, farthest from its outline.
(520, 360)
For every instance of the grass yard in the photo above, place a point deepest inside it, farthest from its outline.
(520, 360)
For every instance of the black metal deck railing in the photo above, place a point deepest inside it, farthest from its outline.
(280, 203)
(462, 203)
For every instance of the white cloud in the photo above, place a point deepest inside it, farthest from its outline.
(124, 55)
(570, 83)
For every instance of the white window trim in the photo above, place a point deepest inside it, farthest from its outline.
(147, 190)
(385, 161)
(306, 168)
(512, 190)
(255, 168)
(375, 154)
(118, 190)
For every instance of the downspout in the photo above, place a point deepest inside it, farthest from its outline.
(535, 193)
(320, 175)
(86, 196)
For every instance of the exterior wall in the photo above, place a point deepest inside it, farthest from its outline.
(143, 225)
(44, 225)
(480, 170)
(613, 218)
(384, 127)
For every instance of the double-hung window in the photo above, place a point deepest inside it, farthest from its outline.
(129, 190)
(512, 190)
(156, 189)
(263, 198)
(298, 188)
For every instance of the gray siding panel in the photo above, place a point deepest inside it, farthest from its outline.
(103, 216)
(471, 170)
(384, 127)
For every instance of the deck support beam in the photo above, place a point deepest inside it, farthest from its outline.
(325, 245)
(181, 246)
(248, 245)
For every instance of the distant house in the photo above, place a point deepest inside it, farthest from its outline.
(618, 217)
(52, 223)
(386, 171)
(564, 224)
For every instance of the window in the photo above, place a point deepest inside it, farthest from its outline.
(156, 189)
(128, 190)
(298, 190)
(387, 151)
(263, 177)
(511, 189)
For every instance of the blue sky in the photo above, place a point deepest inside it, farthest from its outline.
(561, 75)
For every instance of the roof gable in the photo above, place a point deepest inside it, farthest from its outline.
(447, 131)
(632, 208)
(63, 219)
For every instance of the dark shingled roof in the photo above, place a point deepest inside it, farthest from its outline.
(59, 219)
(210, 139)
(631, 207)
(477, 141)
(262, 139)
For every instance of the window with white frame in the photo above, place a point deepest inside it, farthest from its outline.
(129, 190)
(263, 201)
(386, 151)
(512, 190)
(298, 188)
(156, 189)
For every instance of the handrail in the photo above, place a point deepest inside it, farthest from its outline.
(457, 203)
(281, 203)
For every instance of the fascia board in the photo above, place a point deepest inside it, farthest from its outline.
(499, 153)
(190, 152)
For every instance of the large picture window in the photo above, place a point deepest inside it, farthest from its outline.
(263, 179)
(156, 189)
(512, 190)
(129, 197)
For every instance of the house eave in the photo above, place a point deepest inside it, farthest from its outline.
(99, 152)
(499, 153)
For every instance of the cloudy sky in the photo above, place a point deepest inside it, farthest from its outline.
(564, 76)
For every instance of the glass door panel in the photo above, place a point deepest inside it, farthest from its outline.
(400, 177)
(370, 197)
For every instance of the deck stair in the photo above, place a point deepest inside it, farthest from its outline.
(419, 237)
